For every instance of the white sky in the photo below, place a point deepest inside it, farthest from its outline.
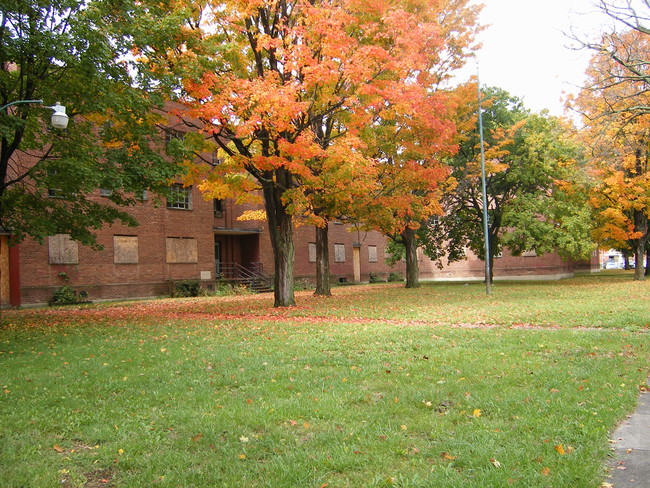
(525, 48)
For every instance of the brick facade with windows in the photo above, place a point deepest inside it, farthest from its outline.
(197, 243)
(189, 238)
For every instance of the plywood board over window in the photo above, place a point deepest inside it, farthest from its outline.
(63, 250)
(125, 249)
(339, 253)
(312, 252)
(372, 254)
(182, 250)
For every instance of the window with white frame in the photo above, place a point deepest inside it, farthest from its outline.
(54, 192)
(180, 197)
(171, 135)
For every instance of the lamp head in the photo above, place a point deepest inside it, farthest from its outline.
(59, 118)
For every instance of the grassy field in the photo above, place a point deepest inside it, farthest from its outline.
(377, 386)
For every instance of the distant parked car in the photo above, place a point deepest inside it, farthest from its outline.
(612, 265)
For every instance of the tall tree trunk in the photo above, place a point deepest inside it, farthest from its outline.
(281, 232)
(412, 269)
(323, 287)
(640, 225)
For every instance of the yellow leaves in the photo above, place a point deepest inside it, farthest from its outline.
(249, 215)
(561, 450)
(197, 437)
(476, 413)
(447, 456)
(113, 144)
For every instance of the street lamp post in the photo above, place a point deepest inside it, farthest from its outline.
(59, 119)
(486, 232)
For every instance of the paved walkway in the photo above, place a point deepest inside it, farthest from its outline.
(631, 465)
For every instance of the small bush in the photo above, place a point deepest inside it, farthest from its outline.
(304, 284)
(240, 289)
(64, 295)
(395, 277)
(375, 278)
(231, 289)
(184, 289)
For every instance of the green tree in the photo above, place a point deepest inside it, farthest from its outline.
(534, 202)
(76, 53)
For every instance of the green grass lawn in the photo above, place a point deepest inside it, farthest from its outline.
(377, 386)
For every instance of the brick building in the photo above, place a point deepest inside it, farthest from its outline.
(189, 238)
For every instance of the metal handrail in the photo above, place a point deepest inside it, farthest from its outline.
(252, 275)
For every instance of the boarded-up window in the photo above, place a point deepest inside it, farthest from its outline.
(182, 250)
(312, 252)
(63, 250)
(339, 253)
(372, 254)
(125, 249)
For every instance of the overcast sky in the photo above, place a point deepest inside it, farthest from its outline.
(525, 48)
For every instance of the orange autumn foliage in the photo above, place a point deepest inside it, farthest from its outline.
(294, 94)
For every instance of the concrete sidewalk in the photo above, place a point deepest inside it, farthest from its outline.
(631, 464)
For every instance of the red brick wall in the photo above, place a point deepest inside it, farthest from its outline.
(338, 234)
(102, 278)
(547, 266)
